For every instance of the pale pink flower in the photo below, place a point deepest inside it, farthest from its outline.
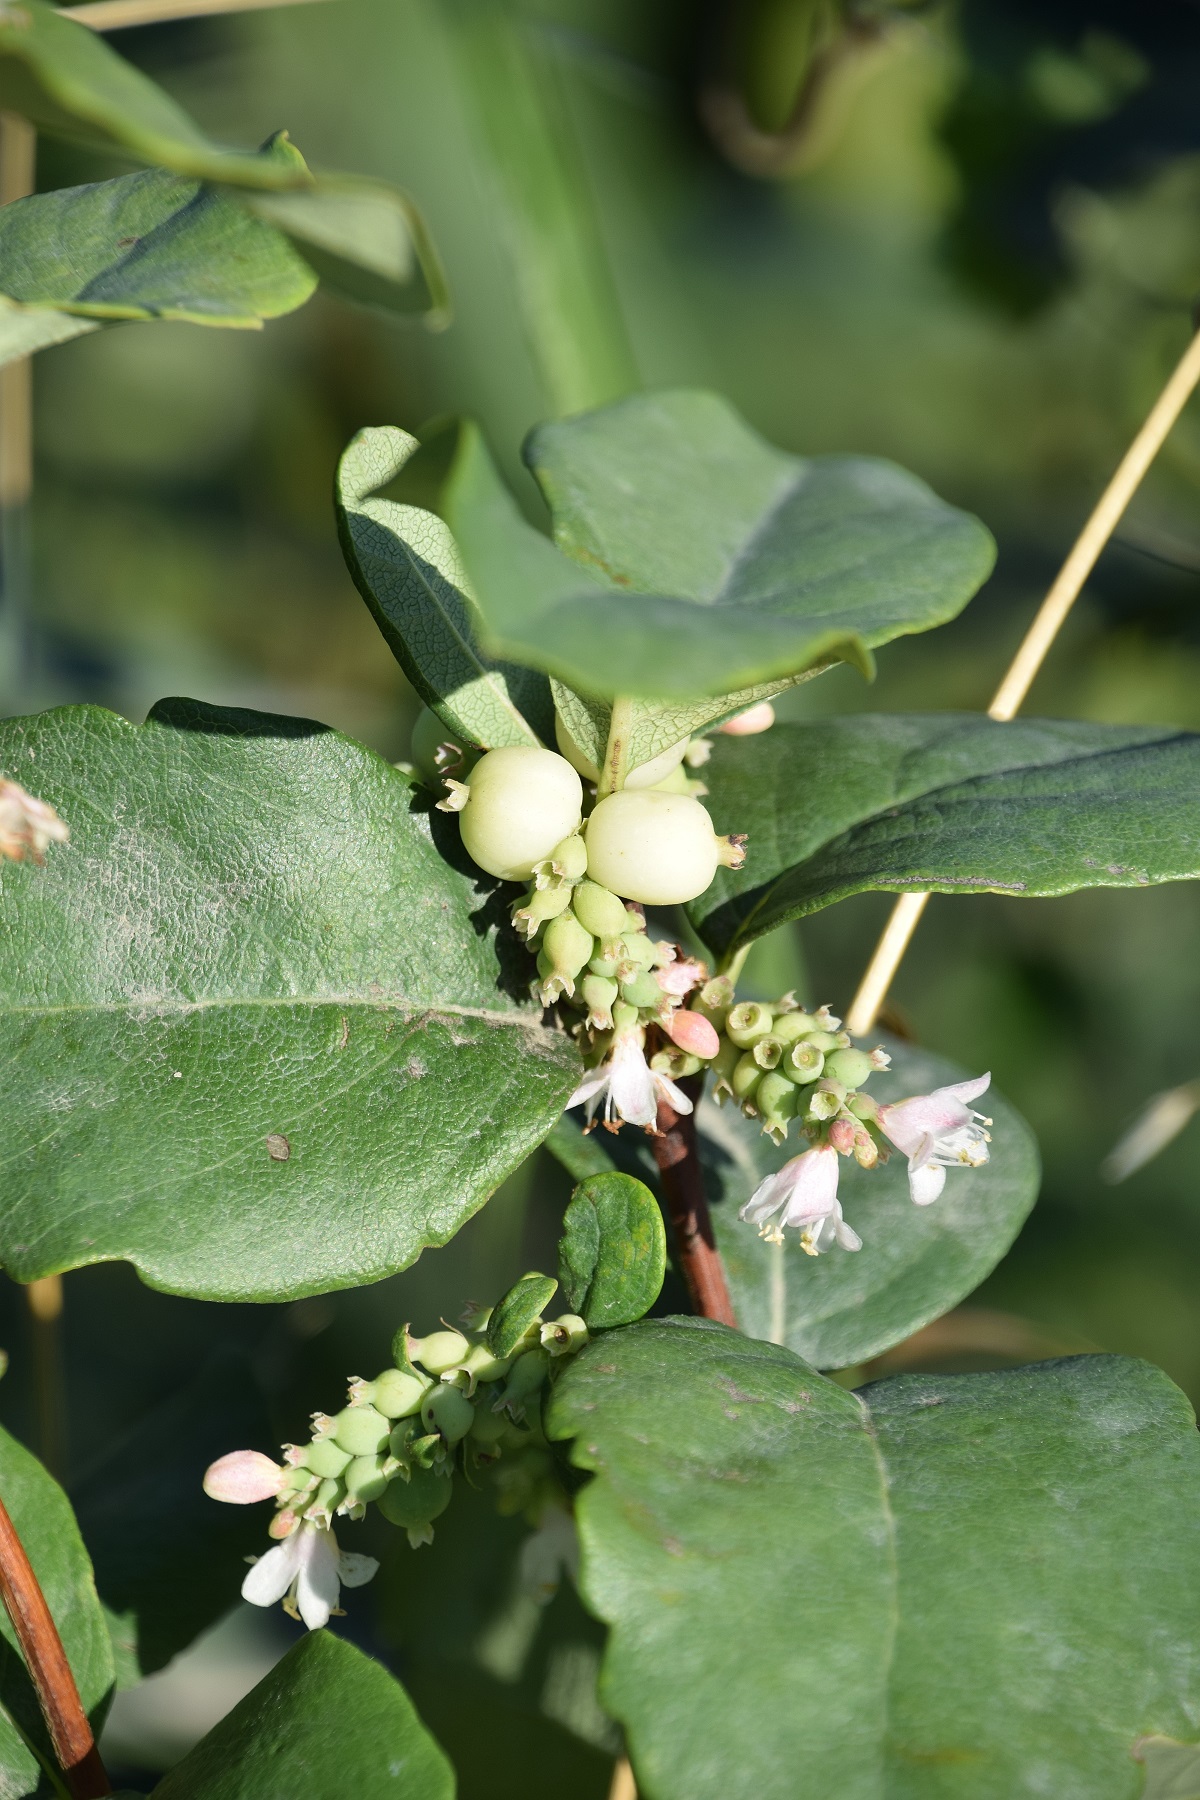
(680, 977)
(27, 825)
(628, 1086)
(803, 1194)
(936, 1132)
(307, 1572)
(243, 1477)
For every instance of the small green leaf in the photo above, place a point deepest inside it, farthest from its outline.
(951, 802)
(365, 237)
(968, 1586)
(405, 565)
(167, 1558)
(253, 936)
(613, 1251)
(326, 1720)
(46, 1526)
(149, 246)
(26, 329)
(524, 1303)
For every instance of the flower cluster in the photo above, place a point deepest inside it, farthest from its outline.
(446, 1403)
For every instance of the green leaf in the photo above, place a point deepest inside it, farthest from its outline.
(405, 565)
(613, 1251)
(167, 1558)
(1172, 1769)
(725, 562)
(841, 1308)
(524, 1302)
(951, 802)
(149, 246)
(326, 1720)
(916, 1262)
(24, 330)
(365, 237)
(976, 1586)
(257, 1025)
(46, 1526)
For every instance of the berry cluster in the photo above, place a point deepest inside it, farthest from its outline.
(780, 1063)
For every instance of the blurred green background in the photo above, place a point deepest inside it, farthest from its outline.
(981, 262)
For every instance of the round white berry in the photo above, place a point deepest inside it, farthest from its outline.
(520, 805)
(653, 847)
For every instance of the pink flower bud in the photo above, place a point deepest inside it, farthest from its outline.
(841, 1136)
(751, 722)
(242, 1477)
(283, 1524)
(693, 1033)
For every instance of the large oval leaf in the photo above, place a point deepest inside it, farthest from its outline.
(47, 1528)
(258, 1030)
(974, 1587)
(952, 802)
(326, 1720)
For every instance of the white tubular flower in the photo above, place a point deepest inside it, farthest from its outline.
(803, 1194)
(628, 1086)
(936, 1132)
(27, 825)
(307, 1572)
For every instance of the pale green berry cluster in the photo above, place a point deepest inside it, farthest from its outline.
(445, 1403)
(781, 1064)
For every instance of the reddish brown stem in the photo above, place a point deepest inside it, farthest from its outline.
(683, 1186)
(46, 1660)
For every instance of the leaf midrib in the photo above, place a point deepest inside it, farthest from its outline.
(409, 1008)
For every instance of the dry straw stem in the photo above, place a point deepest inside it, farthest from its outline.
(1053, 611)
(623, 1785)
(118, 15)
(49, 1669)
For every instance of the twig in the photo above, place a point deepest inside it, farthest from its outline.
(49, 1669)
(683, 1185)
(118, 15)
(1052, 613)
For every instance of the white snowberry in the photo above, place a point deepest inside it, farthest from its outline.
(659, 849)
(519, 806)
(647, 774)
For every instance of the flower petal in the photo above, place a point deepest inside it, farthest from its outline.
(674, 1096)
(591, 1084)
(925, 1184)
(355, 1569)
(272, 1575)
(317, 1587)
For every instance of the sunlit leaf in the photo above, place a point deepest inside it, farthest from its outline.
(612, 1254)
(261, 1031)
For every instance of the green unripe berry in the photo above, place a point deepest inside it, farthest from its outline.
(520, 804)
(447, 1410)
(776, 1099)
(714, 1000)
(749, 1022)
(487, 1427)
(825, 1040)
(364, 1478)
(746, 1076)
(678, 782)
(440, 1351)
(483, 1366)
(644, 775)
(625, 1017)
(361, 1430)
(642, 991)
(525, 1378)
(804, 1062)
(567, 862)
(850, 1067)
(327, 1499)
(395, 1393)
(863, 1106)
(599, 910)
(635, 947)
(538, 905)
(676, 1064)
(791, 1026)
(826, 1100)
(325, 1458)
(566, 946)
(598, 995)
(417, 1501)
(726, 1060)
(660, 849)
(767, 1052)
